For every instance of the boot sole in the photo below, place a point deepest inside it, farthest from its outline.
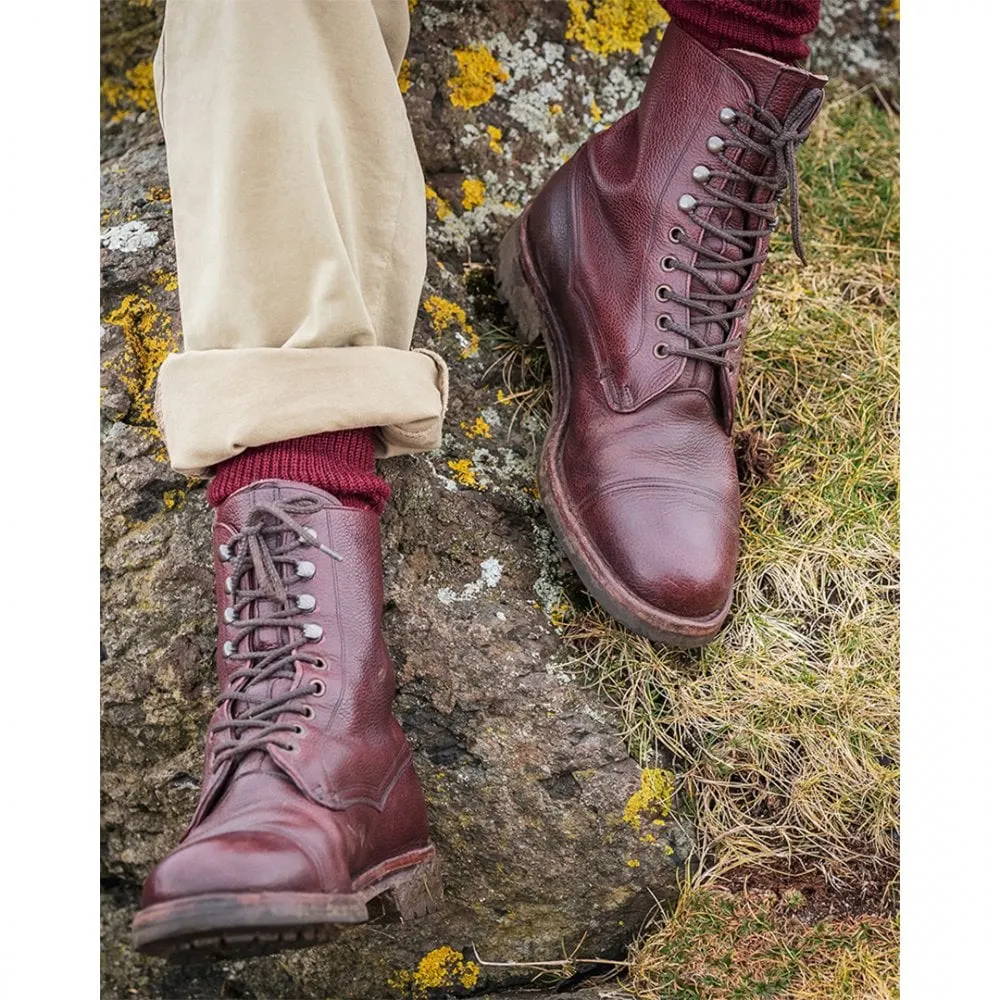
(239, 925)
(521, 289)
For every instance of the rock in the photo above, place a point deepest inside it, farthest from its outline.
(527, 777)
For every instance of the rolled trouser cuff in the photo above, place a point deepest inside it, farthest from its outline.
(212, 405)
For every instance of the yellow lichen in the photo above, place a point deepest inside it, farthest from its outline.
(403, 79)
(148, 340)
(465, 475)
(135, 96)
(479, 428)
(471, 349)
(495, 136)
(412, 5)
(473, 193)
(633, 862)
(166, 280)
(158, 194)
(595, 111)
(560, 614)
(890, 12)
(440, 968)
(477, 77)
(652, 800)
(444, 313)
(503, 399)
(174, 499)
(607, 26)
(441, 208)
(555, 109)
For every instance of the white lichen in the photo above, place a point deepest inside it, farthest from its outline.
(490, 571)
(129, 237)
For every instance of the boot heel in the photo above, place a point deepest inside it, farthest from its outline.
(410, 894)
(513, 288)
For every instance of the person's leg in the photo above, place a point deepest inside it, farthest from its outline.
(299, 217)
(637, 263)
(773, 28)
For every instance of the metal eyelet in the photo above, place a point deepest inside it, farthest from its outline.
(676, 234)
(663, 293)
(299, 730)
(320, 664)
(305, 570)
(687, 203)
(701, 174)
(305, 602)
(716, 144)
(660, 350)
(312, 631)
(225, 553)
(309, 712)
(319, 687)
(228, 586)
(727, 116)
(663, 322)
(228, 648)
(668, 263)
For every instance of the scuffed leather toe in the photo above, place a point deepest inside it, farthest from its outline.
(673, 548)
(258, 861)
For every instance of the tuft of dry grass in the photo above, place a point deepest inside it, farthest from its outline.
(724, 946)
(784, 733)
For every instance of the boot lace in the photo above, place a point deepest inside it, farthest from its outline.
(264, 566)
(776, 143)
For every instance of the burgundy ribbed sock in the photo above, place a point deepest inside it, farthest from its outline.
(340, 462)
(771, 27)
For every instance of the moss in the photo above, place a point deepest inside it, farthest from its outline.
(477, 77)
(473, 193)
(607, 26)
(652, 800)
(439, 969)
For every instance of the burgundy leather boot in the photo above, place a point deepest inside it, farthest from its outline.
(636, 263)
(311, 815)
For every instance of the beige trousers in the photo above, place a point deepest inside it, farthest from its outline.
(299, 216)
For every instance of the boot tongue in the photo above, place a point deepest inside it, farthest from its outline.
(776, 86)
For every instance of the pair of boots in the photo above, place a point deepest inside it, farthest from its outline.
(636, 263)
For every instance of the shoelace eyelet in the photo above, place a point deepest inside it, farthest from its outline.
(305, 570)
(229, 615)
(716, 144)
(663, 293)
(309, 712)
(228, 648)
(687, 203)
(663, 322)
(676, 234)
(225, 553)
(312, 631)
(727, 116)
(660, 350)
(701, 174)
(319, 687)
(668, 263)
(305, 602)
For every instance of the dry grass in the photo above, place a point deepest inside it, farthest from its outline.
(720, 946)
(784, 733)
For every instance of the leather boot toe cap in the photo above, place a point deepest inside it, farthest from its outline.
(232, 862)
(673, 549)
